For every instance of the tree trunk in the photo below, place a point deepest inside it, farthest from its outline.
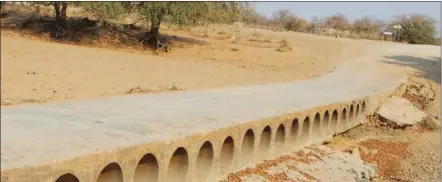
(154, 33)
(60, 13)
(153, 37)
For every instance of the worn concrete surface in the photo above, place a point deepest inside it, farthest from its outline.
(32, 135)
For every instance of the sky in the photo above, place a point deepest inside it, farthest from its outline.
(353, 10)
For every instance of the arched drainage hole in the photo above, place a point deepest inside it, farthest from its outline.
(316, 129)
(111, 173)
(305, 131)
(343, 124)
(351, 114)
(147, 169)
(325, 124)
(294, 131)
(279, 139)
(247, 147)
(358, 115)
(178, 165)
(363, 110)
(334, 122)
(68, 177)
(226, 157)
(204, 161)
(264, 143)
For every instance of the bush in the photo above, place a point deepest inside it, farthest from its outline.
(416, 29)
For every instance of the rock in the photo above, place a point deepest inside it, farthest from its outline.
(356, 152)
(373, 151)
(372, 170)
(400, 112)
(364, 150)
(254, 178)
(431, 123)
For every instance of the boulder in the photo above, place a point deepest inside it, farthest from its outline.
(400, 112)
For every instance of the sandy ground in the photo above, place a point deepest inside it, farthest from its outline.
(34, 71)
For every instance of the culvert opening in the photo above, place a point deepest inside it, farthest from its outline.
(358, 114)
(316, 129)
(334, 122)
(343, 125)
(325, 124)
(351, 114)
(204, 161)
(279, 139)
(294, 131)
(68, 177)
(363, 110)
(226, 157)
(111, 173)
(178, 165)
(264, 143)
(305, 130)
(247, 147)
(147, 169)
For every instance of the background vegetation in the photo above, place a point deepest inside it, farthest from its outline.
(416, 29)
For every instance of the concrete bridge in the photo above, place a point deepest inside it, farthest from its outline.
(184, 136)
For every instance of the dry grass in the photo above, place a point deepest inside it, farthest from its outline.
(284, 46)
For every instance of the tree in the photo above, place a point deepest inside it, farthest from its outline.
(250, 16)
(367, 24)
(297, 24)
(60, 9)
(314, 25)
(338, 22)
(416, 29)
(281, 16)
(108, 11)
(189, 13)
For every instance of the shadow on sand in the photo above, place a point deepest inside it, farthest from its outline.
(428, 68)
(82, 29)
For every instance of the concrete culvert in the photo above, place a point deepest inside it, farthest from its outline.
(351, 116)
(226, 157)
(68, 177)
(204, 161)
(111, 173)
(178, 166)
(294, 131)
(264, 143)
(147, 169)
(305, 131)
(363, 110)
(334, 122)
(279, 139)
(357, 114)
(325, 124)
(316, 129)
(247, 147)
(343, 123)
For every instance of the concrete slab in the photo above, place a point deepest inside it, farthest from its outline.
(34, 135)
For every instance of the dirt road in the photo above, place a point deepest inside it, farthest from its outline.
(34, 71)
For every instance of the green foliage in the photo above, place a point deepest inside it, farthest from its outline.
(106, 11)
(416, 29)
(250, 17)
